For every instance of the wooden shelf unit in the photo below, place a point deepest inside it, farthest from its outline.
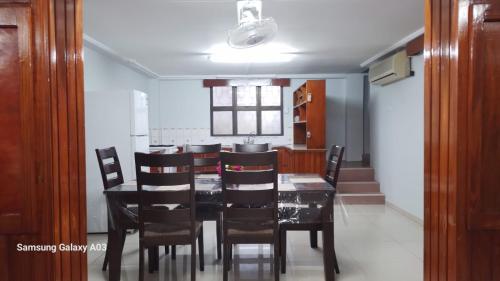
(309, 104)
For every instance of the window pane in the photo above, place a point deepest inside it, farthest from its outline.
(246, 96)
(247, 122)
(223, 122)
(270, 96)
(271, 122)
(223, 96)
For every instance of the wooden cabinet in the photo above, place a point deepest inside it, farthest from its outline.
(309, 103)
(301, 160)
(285, 160)
(307, 154)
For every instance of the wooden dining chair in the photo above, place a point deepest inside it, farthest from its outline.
(250, 225)
(316, 219)
(206, 161)
(251, 148)
(159, 226)
(111, 174)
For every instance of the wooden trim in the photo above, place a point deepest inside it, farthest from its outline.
(282, 82)
(415, 46)
(68, 133)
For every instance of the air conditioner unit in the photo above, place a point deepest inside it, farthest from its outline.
(391, 69)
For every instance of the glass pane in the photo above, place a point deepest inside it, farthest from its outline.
(270, 96)
(246, 96)
(223, 96)
(247, 122)
(223, 122)
(271, 122)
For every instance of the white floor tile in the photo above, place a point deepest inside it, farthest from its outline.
(372, 242)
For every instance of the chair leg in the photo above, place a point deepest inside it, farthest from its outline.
(151, 260)
(225, 262)
(276, 258)
(141, 262)
(174, 252)
(193, 260)
(157, 257)
(106, 255)
(218, 234)
(283, 250)
(124, 234)
(335, 262)
(105, 263)
(230, 257)
(201, 250)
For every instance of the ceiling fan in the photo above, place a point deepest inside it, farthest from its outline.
(252, 30)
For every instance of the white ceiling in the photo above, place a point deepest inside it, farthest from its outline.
(172, 37)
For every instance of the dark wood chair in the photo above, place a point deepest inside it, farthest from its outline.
(111, 174)
(316, 219)
(250, 225)
(159, 226)
(206, 161)
(251, 148)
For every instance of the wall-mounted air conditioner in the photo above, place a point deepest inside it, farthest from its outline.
(391, 69)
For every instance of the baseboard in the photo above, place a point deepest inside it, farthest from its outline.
(404, 212)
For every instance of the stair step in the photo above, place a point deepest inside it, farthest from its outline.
(361, 198)
(358, 187)
(357, 174)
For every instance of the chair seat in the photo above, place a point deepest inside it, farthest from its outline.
(253, 235)
(164, 234)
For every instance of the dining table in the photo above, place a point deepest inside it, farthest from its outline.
(295, 190)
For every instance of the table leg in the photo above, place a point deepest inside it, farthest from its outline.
(115, 241)
(115, 253)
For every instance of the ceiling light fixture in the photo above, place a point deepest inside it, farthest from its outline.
(251, 30)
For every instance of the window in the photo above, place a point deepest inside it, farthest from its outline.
(246, 110)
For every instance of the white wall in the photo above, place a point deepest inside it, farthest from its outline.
(107, 85)
(354, 117)
(397, 139)
(181, 110)
(105, 73)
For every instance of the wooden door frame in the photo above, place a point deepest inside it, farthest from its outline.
(450, 242)
(59, 153)
(444, 169)
(58, 80)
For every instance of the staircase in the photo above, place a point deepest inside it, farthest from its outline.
(357, 185)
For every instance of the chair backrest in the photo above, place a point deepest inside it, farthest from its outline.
(206, 157)
(168, 194)
(260, 203)
(251, 148)
(333, 164)
(109, 164)
(332, 176)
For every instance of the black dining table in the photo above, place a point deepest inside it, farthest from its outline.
(294, 190)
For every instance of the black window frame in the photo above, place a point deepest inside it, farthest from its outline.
(234, 108)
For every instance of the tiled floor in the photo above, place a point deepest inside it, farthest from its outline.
(373, 243)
